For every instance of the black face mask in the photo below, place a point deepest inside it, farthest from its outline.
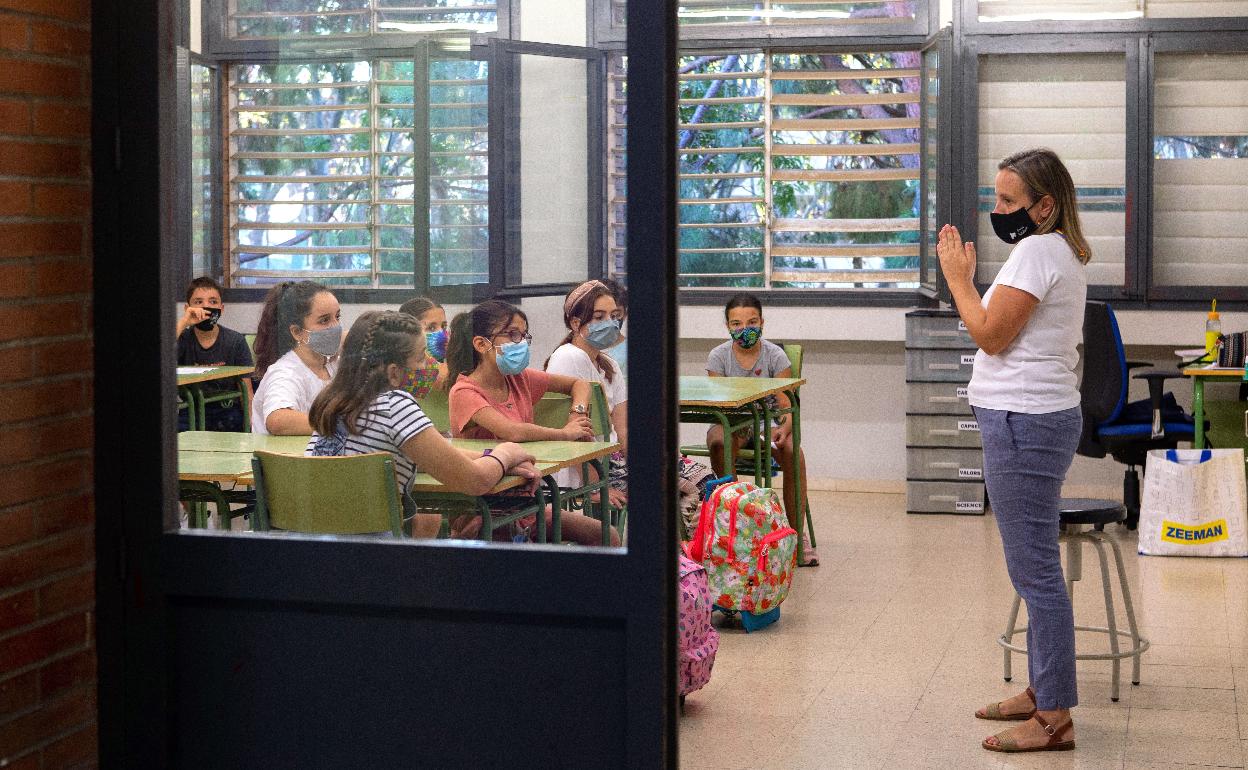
(1014, 226)
(214, 315)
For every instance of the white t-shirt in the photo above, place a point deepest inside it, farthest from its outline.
(393, 419)
(287, 384)
(571, 361)
(1035, 374)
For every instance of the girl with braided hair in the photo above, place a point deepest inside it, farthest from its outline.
(371, 406)
(297, 343)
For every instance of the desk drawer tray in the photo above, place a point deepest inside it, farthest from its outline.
(945, 497)
(942, 431)
(930, 464)
(937, 398)
(939, 365)
(937, 332)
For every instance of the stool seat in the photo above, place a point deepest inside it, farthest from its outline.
(1084, 510)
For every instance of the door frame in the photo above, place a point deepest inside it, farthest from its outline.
(144, 570)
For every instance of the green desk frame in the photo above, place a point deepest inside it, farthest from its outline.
(1199, 375)
(750, 410)
(190, 389)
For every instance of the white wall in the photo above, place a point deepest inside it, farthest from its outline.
(553, 21)
(196, 21)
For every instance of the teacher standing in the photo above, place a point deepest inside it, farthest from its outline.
(1025, 394)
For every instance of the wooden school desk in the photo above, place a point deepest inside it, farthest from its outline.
(735, 403)
(189, 386)
(207, 460)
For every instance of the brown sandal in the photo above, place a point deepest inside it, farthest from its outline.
(993, 711)
(1054, 743)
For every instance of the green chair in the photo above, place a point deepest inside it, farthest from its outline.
(251, 344)
(1228, 425)
(326, 495)
(552, 412)
(437, 407)
(745, 461)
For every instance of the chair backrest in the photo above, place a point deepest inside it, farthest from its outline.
(794, 352)
(437, 407)
(599, 412)
(553, 408)
(551, 411)
(251, 343)
(1103, 390)
(349, 495)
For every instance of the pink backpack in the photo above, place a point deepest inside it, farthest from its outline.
(698, 640)
(749, 551)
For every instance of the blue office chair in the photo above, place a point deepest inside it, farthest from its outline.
(1111, 425)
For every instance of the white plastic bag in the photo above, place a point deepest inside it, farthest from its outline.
(1195, 503)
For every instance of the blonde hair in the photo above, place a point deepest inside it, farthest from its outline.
(1043, 173)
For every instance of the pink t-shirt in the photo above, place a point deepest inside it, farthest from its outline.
(467, 398)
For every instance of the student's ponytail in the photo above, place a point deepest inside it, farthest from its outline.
(461, 356)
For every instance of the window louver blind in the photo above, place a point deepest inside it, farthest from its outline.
(279, 19)
(1200, 170)
(1074, 104)
(798, 171)
(336, 173)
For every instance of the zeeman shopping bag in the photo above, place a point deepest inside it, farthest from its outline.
(1195, 503)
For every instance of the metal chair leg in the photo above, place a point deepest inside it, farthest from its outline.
(1110, 616)
(1138, 644)
(1010, 629)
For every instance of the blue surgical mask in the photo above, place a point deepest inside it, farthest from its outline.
(513, 357)
(435, 344)
(602, 334)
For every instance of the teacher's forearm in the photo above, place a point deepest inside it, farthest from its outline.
(970, 308)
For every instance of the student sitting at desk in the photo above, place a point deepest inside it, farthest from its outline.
(591, 315)
(432, 318)
(747, 354)
(297, 344)
(370, 406)
(493, 392)
(202, 341)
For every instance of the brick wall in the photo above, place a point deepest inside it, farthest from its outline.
(47, 653)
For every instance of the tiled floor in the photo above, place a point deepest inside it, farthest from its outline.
(884, 651)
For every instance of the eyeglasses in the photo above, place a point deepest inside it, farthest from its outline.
(515, 335)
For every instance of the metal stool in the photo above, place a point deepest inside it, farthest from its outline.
(1075, 514)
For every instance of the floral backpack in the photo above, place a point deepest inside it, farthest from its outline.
(749, 551)
(698, 641)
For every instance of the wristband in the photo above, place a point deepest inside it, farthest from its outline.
(489, 453)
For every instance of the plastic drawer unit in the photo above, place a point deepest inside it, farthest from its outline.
(944, 456)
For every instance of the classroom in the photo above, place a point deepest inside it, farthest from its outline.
(319, 371)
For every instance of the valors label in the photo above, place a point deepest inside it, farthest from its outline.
(970, 473)
(1194, 534)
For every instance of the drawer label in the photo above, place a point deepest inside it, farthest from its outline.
(962, 392)
(968, 359)
(971, 425)
(961, 326)
(969, 507)
(970, 473)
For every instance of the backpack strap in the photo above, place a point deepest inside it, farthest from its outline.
(697, 549)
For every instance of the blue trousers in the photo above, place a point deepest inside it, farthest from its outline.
(1026, 457)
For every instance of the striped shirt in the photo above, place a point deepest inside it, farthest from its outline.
(393, 419)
